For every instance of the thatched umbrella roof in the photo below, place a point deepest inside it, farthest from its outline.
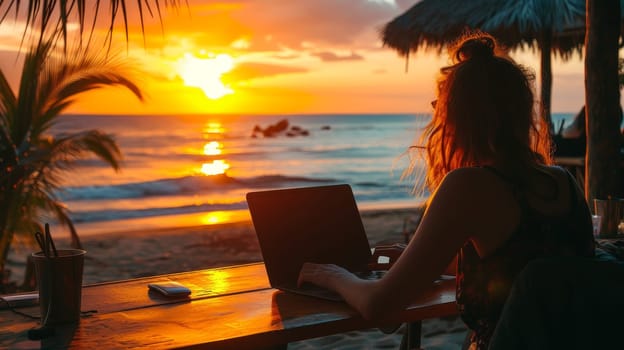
(548, 25)
(437, 23)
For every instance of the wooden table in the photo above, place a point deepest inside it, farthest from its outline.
(229, 308)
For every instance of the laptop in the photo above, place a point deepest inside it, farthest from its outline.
(319, 224)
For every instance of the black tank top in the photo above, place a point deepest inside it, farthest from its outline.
(483, 284)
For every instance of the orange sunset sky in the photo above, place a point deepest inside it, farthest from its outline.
(278, 56)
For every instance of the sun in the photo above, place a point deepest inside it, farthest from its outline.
(205, 73)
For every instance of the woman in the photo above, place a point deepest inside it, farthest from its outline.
(497, 202)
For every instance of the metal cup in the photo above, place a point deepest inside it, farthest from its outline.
(60, 285)
(611, 212)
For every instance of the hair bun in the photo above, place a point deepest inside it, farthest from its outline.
(479, 46)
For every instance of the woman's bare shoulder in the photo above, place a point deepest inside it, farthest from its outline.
(481, 187)
(478, 189)
(482, 203)
(474, 178)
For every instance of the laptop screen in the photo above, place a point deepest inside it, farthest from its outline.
(319, 224)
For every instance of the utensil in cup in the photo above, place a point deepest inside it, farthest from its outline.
(60, 285)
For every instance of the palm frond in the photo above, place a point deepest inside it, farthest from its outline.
(67, 149)
(29, 85)
(54, 16)
(33, 161)
(95, 80)
(65, 76)
(60, 213)
(7, 97)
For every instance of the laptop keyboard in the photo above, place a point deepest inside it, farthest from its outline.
(314, 291)
(370, 275)
(319, 292)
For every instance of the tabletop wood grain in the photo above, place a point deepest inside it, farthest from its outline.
(229, 308)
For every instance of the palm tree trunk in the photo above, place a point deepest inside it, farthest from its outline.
(603, 172)
(6, 232)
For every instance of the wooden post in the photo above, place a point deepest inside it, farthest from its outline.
(603, 175)
(546, 76)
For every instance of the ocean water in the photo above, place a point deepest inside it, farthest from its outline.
(196, 169)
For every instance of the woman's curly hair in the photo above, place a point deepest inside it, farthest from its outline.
(484, 114)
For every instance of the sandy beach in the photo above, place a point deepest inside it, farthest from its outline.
(165, 250)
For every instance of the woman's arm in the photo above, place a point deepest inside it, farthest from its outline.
(461, 207)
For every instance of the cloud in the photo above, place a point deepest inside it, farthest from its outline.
(333, 22)
(255, 70)
(328, 56)
(403, 5)
(266, 26)
(276, 25)
(286, 56)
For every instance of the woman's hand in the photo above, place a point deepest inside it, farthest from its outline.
(323, 275)
(354, 291)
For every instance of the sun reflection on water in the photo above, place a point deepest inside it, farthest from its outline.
(215, 217)
(213, 128)
(216, 167)
(213, 148)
